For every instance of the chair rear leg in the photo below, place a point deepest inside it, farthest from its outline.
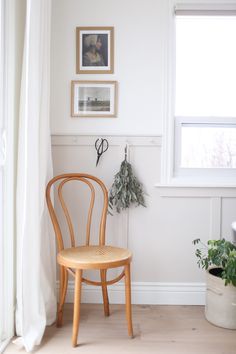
(63, 290)
(103, 274)
(77, 299)
(128, 300)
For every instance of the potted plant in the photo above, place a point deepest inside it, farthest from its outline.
(218, 257)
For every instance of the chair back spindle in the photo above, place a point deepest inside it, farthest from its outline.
(80, 177)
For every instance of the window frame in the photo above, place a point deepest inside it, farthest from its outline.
(204, 173)
(172, 173)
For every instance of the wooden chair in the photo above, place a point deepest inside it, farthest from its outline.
(76, 259)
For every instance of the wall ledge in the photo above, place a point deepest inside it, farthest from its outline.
(107, 134)
(114, 140)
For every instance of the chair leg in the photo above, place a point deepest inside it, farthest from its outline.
(63, 290)
(128, 300)
(103, 273)
(77, 298)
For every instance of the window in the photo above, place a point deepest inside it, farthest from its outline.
(205, 145)
(205, 86)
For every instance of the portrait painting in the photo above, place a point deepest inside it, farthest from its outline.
(94, 50)
(93, 99)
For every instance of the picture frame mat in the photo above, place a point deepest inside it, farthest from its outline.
(89, 68)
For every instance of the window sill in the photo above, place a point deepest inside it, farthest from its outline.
(194, 185)
(196, 189)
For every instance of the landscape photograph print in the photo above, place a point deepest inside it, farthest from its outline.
(93, 99)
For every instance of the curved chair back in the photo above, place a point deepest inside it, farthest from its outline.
(84, 178)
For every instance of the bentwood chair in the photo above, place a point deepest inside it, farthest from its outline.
(75, 260)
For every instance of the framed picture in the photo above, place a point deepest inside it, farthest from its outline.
(93, 98)
(94, 50)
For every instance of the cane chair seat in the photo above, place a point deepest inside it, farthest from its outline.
(94, 257)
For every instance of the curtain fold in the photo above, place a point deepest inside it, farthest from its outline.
(36, 294)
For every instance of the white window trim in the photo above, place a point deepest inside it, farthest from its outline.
(167, 157)
(207, 8)
(168, 161)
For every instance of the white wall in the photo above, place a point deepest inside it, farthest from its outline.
(160, 236)
(139, 39)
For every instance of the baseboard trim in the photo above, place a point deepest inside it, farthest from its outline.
(144, 293)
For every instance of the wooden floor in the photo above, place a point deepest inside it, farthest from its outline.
(157, 329)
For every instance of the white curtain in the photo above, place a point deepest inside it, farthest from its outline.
(36, 295)
(7, 82)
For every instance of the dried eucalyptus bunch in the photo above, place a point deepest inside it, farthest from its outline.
(126, 189)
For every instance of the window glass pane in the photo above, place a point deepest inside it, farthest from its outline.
(205, 66)
(208, 146)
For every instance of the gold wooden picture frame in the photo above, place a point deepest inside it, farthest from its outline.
(94, 99)
(95, 50)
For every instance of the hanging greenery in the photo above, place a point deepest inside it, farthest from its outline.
(126, 189)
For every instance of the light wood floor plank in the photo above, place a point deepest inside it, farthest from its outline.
(157, 329)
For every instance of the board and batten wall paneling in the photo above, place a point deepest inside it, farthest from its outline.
(164, 268)
(78, 154)
(228, 214)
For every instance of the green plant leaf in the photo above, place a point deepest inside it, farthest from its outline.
(218, 253)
